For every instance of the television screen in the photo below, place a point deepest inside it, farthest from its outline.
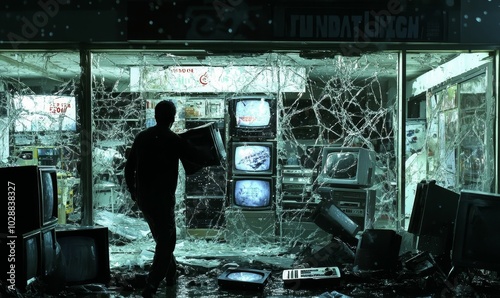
(31, 255)
(34, 188)
(244, 279)
(253, 157)
(26, 259)
(347, 166)
(48, 184)
(48, 246)
(252, 116)
(476, 242)
(253, 192)
(85, 254)
(45, 113)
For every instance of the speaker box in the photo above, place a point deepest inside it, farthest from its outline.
(377, 250)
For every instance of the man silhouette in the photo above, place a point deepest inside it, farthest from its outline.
(151, 174)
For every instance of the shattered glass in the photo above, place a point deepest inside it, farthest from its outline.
(341, 101)
(449, 138)
(321, 101)
(39, 116)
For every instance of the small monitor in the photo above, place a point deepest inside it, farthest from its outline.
(253, 158)
(252, 192)
(244, 279)
(333, 220)
(476, 242)
(23, 266)
(208, 141)
(85, 254)
(35, 187)
(252, 116)
(347, 166)
(434, 210)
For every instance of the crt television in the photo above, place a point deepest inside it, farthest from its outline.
(85, 254)
(433, 217)
(252, 192)
(347, 166)
(253, 158)
(434, 210)
(252, 116)
(244, 279)
(208, 141)
(333, 220)
(32, 191)
(476, 242)
(27, 259)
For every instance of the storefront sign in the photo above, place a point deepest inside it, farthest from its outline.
(198, 79)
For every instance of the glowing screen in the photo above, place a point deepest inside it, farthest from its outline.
(253, 158)
(252, 193)
(253, 113)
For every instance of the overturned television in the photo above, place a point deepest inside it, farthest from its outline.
(244, 279)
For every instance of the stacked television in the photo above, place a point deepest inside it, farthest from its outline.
(34, 246)
(252, 166)
(28, 236)
(347, 173)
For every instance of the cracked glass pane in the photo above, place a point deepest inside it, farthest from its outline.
(319, 101)
(39, 117)
(450, 127)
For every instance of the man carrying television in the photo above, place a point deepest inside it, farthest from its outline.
(151, 174)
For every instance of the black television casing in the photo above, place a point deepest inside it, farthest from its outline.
(476, 242)
(225, 281)
(333, 220)
(20, 277)
(100, 235)
(26, 198)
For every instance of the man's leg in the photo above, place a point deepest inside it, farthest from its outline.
(164, 234)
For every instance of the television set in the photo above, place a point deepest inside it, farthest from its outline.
(333, 220)
(22, 259)
(347, 166)
(33, 193)
(253, 158)
(244, 279)
(85, 254)
(44, 113)
(433, 217)
(358, 204)
(252, 116)
(434, 209)
(208, 141)
(252, 192)
(476, 242)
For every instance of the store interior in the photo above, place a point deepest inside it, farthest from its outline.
(269, 202)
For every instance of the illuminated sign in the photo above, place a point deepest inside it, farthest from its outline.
(200, 79)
